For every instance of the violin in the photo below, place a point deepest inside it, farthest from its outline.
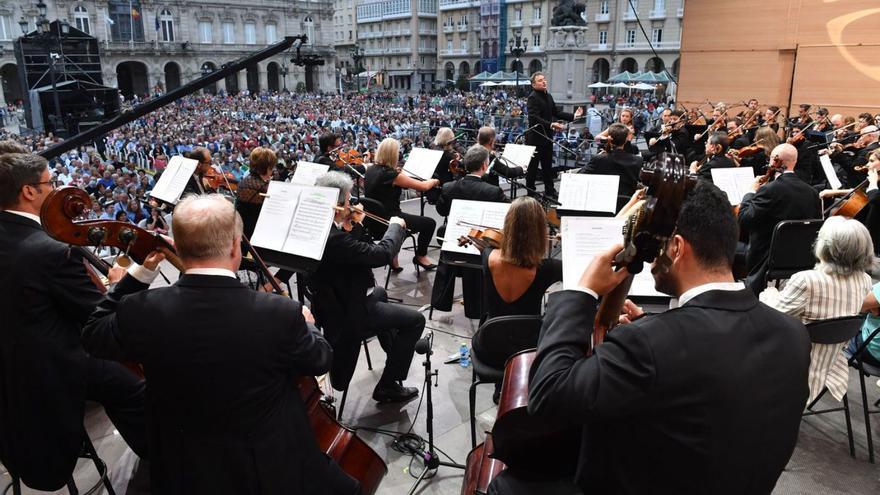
(773, 168)
(752, 149)
(351, 157)
(482, 238)
(214, 180)
(65, 205)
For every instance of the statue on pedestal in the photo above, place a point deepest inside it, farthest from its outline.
(568, 13)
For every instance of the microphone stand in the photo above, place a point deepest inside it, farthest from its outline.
(429, 458)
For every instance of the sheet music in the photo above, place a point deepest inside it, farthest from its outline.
(173, 181)
(474, 212)
(589, 192)
(830, 174)
(295, 219)
(307, 173)
(735, 182)
(583, 238)
(421, 163)
(519, 154)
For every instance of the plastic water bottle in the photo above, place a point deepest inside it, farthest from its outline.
(464, 359)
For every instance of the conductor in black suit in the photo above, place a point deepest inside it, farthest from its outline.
(470, 187)
(351, 307)
(617, 161)
(787, 197)
(222, 363)
(705, 398)
(544, 116)
(45, 374)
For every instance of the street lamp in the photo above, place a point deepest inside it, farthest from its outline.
(517, 49)
(42, 9)
(357, 54)
(284, 71)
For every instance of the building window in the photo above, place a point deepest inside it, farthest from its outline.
(536, 40)
(205, 34)
(659, 5)
(271, 31)
(603, 7)
(603, 37)
(166, 26)
(517, 14)
(537, 13)
(5, 27)
(250, 33)
(449, 45)
(632, 6)
(630, 37)
(228, 33)
(464, 47)
(80, 19)
(127, 21)
(657, 35)
(349, 35)
(309, 29)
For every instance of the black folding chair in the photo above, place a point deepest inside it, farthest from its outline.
(791, 248)
(866, 369)
(835, 331)
(495, 341)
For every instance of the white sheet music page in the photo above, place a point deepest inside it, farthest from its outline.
(421, 163)
(519, 154)
(464, 213)
(830, 174)
(173, 181)
(275, 215)
(311, 222)
(585, 237)
(736, 182)
(307, 173)
(589, 192)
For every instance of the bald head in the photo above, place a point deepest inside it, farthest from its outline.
(786, 154)
(869, 134)
(207, 231)
(837, 120)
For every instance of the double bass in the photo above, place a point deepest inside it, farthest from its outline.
(527, 444)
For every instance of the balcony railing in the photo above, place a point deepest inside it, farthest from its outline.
(535, 22)
(462, 28)
(658, 14)
(629, 15)
(458, 4)
(599, 47)
(603, 17)
(428, 32)
(644, 45)
(516, 24)
(680, 12)
(448, 28)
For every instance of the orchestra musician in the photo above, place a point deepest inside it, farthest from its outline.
(803, 119)
(47, 374)
(617, 161)
(196, 184)
(471, 187)
(870, 214)
(716, 157)
(673, 137)
(327, 143)
(351, 307)
(385, 183)
(766, 139)
(220, 362)
(497, 166)
(771, 119)
(856, 154)
(626, 119)
(543, 117)
(683, 412)
(445, 141)
(785, 197)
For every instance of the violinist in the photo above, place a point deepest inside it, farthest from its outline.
(804, 118)
(782, 196)
(823, 123)
(870, 214)
(852, 158)
(765, 139)
(670, 386)
(384, 183)
(351, 307)
(673, 137)
(470, 187)
(735, 134)
(617, 161)
(770, 118)
(326, 144)
(497, 166)
(47, 297)
(221, 362)
(626, 119)
(715, 157)
(448, 168)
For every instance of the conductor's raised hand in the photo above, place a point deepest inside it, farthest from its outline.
(600, 276)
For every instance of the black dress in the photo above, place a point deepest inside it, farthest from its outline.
(379, 185)
(529, 303)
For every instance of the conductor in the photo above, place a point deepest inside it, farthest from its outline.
(543, 117)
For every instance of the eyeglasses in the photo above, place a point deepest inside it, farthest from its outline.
(49, 182)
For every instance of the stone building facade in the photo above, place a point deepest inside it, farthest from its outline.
(146, 44)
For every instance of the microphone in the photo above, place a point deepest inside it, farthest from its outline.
(423, 345)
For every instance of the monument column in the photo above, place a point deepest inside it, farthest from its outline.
(567, 65)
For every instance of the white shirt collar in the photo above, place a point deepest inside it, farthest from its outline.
(222, 272)
(696, 291)
(33, 217)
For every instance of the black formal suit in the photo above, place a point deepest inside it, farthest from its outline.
(348, 315)
(469, 187)
(46, 374)
(678, 142)
(706, 398)
(542, 112)
(870, 216)
(222, 363)
(786, 198)
(716, 161)
(617, 162)
(849, 160)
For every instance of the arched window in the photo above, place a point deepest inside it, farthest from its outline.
(166, 26)
(81, 19)
(309, 29)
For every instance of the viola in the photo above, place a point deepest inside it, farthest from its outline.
(342, 444)
(65, 205)
(351, 157)
(482, 238)
(214, 180)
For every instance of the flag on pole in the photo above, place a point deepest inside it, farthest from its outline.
(109, 20)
